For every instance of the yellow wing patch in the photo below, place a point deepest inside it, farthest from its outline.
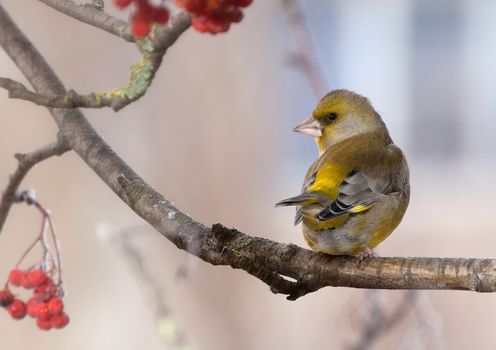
(358, 209)
(329, 178)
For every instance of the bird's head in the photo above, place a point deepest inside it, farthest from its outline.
(339, 115)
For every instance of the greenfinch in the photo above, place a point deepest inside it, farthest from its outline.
(357, 191)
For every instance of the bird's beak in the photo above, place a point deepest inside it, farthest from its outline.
(309, 127)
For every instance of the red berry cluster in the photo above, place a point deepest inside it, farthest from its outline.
(145, 15)
(214, 16)
(45, 305)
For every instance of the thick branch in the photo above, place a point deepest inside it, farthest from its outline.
(268, 260)
(92, 16)
(26, 162)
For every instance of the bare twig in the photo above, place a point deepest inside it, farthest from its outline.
(142, 73)
(268, 260)
(92, 16)
(305, 57)
(168, 328)
(26, 162)
(381, 323)
(70, 100)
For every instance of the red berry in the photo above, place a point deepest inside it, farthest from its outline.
(144, 9)
(17, 309)
(32, 306)
(236, 16)
(59, 321)
(140, 26)
(55, 306)
(46, 290)
(217, 25)
(161, 15)
(45, 325)
(242, 3)
(214, 6)
(190, 5)
(122, 3)
(17, 277)
(6, 297)
(42, 312)
(199, 25)
(36, 277)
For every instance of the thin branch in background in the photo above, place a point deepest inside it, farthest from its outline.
(169, 331)
(379, 322)
(25, 162)
(93, 16)
(305, 57)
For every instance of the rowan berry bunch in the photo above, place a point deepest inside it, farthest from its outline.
(45, 304)
(214, 16)
(43, 280)
(144, 16)
(208, 16)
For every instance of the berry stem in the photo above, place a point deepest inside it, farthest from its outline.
(50, 262)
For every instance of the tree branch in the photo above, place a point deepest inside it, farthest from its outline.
(381, 323)
(270, 261)
(175, 338)
(26, 162)
(142, 74)
(305, 57)
(92, 16)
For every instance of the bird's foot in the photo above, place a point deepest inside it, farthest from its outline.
(366, 253)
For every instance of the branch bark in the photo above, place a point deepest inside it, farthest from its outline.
(269, 261)
(92, 16)
(153, 49)
(26, 162)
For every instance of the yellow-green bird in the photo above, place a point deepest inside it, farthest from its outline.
(356, 193)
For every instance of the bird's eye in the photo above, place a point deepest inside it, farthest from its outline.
(330, 117)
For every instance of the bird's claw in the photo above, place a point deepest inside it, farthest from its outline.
(366, 253)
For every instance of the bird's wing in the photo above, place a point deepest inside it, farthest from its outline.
(356, 194)
(309, 181)
(348, 178)
(372, 178)
(320, 188)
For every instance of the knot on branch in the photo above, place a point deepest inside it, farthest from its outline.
(224, 234)
(231, 241)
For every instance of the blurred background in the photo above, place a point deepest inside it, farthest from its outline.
(213, 134)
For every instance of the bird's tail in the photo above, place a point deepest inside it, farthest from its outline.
(304, 198)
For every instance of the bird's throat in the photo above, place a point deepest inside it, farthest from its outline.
(320, 144)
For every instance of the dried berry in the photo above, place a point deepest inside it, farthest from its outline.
(6, 297)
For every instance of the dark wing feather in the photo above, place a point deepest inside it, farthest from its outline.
(306, 185)
(356, 194)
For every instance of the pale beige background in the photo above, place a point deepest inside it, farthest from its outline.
(213, 135)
